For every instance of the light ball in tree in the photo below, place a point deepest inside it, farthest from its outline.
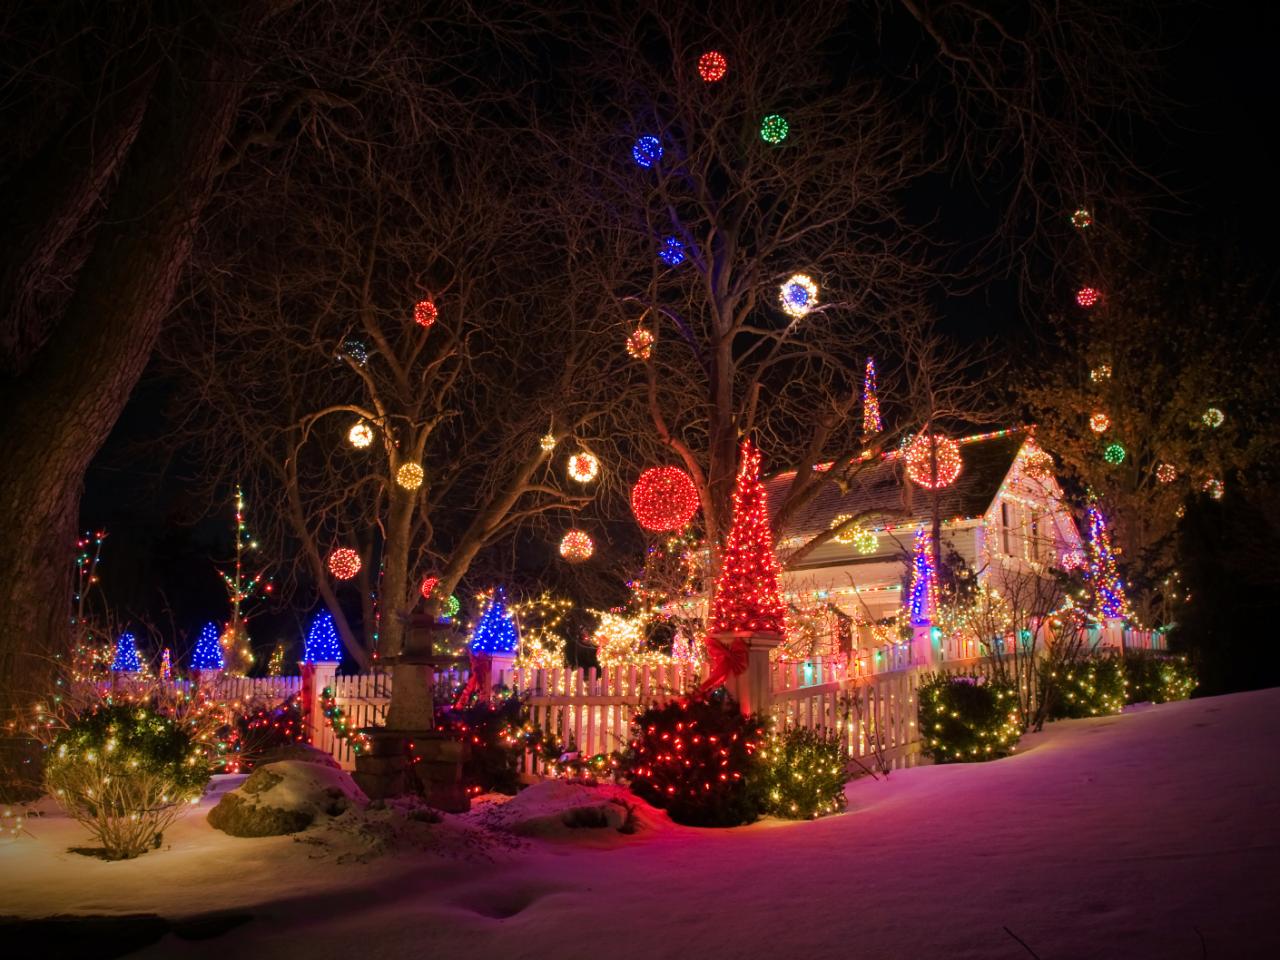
(451, 607)
(1100, 373)
(360, 435)
(344, 563)
(425, 313)
(1082, 218)
(1087, 297)
(1099, 422)
(428, 584)
(1213, 418)
(1166, 473)
(577, 546)
(1114, 454)
(865, 541)
(646, 151)
(798, 295)
(774, 128)
(583, 467)
(548, 442)
(1214, 488)
(920, 455)
(355, 351)
(664, 498)
(671, 252)
(410, 476)
(712, 66)
(640, 343)
(846, 535)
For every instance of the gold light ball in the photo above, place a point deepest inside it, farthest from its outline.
(360, 435)
(583, 467)
(409, 476)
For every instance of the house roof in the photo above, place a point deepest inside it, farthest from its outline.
(880, 488)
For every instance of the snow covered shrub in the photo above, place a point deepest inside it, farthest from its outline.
(1091, 688)
(698, 760)
(1155, 678)
(967, 718)
(803, 773)
(124, 771)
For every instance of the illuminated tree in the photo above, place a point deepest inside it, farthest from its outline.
(746, 596)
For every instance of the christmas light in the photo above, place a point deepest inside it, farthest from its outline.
(712, 66)
(344, 563)
(548, 442)
(1038, 465)
(542, 645)
(166, 665)
(360, 435)
(208, 652)
(321, 644)
(1087, 297)
(923, 596)
(425, 313)
(409, 476)
(428, 584)
(647, 151)
(1213, 418)
(1100, 373)
(355, 351)
(640, 344)
(1114, 454)
(1081, 219)
(929, 450)
(1099, 422)
(1166, 473)
(583, 467)
(746, 596)
(338, 721)
(577, 546)
(798, 295)
(126, 660)
(1214, 488)
(1109, 595)
(671, 252)
(664, 498)
(451, 607)
(774, 128)
(496, 631)
(865, 541)
(870, 403)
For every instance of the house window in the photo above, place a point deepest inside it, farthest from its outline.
(1004, 527)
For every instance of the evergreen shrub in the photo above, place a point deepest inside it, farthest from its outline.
(967, 718)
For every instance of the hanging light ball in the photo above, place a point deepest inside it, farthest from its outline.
(360, 435)
(647, 151)
(428, 584)
(923, 450)
(798, 295)
(1099, 422)
(1082, 218)
(451, 607)
(712, 66)
(1100, 373)
(409, 476)
(576, 546)
(1213, 418)
(1114, 454)
(344, 563)
(548, 442)
(865, 541)
(1087, 297)
(1166, 473)
(847, 535)
(583, 467)
(671, 252)
(774, 128)
(355, 351)
(1214, 488)
(664, 498)
(425, 313)
(1039, 465)
(640, 343)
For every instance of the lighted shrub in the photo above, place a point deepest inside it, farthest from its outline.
(1092, 688)
(967, 718)
(803, 773)
(125, 772)
(261, 732)
(698, 760)
(497, 733)
(1156, 678)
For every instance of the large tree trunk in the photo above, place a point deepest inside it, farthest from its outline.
(60, 410)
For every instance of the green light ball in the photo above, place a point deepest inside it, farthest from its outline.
(1114, 454)
(774, 128)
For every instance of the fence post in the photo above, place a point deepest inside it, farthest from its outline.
(923, 652)
(750, 685)
(315, 677)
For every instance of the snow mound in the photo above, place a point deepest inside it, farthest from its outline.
(566, 810)
(285, 797)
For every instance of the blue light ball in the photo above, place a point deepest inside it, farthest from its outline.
(647, 151)
(672, 252)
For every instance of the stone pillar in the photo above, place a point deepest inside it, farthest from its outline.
(315, 677)
(751, 688)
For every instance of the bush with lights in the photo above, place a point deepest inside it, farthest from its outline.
(698, 760)
(803, 773)
(967, 718)
(498, 732)
(1092, 688)
(124, 772)
(1152, 678)
(261, 731)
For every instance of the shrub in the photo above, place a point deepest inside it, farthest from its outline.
(698, 760)
(1157, 679)
(967, 718)
(497, 734)
(803, 773)
(260, 732)
(1091, 688)
(124, 771)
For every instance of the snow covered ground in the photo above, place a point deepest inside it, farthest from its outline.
(1152, 834)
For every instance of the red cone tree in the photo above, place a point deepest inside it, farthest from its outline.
(746, 596)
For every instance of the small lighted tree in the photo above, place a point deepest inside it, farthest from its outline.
(241, 587)
(746, 597)
(1109, 599)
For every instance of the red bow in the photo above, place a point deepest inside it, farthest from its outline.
(726, 662)
(478, 682)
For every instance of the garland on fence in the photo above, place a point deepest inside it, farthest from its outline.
(336, 717)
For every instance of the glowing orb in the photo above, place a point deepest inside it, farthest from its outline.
(360, 435)
(1082, 218)
(1099, 422)
(1114, 454)
(1039, 465)
(798, 295)
(1166, 473)
(712, 66)
(576, 546)
(409, 476)
(1213, 418)
(425, 313)
(1214, 488)
(344, 563)
(428, 584)
(640, 343)
(451, 607)
(923, 451)
(647, 151)
(1101, 372)
(664, 498)
(671, 252)
(583, 467)
(356, 351)
(548, 442)
(774, 128)
(1087, 297)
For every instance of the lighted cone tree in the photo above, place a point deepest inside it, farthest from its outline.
(923, 597)
(746, 596)
(1109, 600)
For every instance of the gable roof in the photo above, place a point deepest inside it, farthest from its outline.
(881, 487)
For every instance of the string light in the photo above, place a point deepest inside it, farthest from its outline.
(360, 435)
(1081, 219)
(496, 631)
(870, 403)
(542, 646)
(847, 535)
(321, 644)
(425, 313)
(671, 252)
(208, 652)
(647, 151)
(1214, 488)
(451, 607)
(428, 584)
(712, 66)
(1100, 373)
(928, 450)
(126, 659)
(640, 344)
(774, 128)
(664, 498)
(344, 563)
(1087, 297)
(1099, 422)
(1109, 594)
(410, 476)
(865, 541)
(1213, 418)
(1114, 454)
(577, 546)
(1038, 465)
(548, 442)
(798, 295)
(746, 596)
(1166, 473)
(583, 467)
(923, 596)
(356, 351)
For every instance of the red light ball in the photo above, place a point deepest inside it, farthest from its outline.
(1087, 297)
(425, 313)
(344, 563)
(712, 66)
(921, 454)
(664, 498)
(429, 584)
